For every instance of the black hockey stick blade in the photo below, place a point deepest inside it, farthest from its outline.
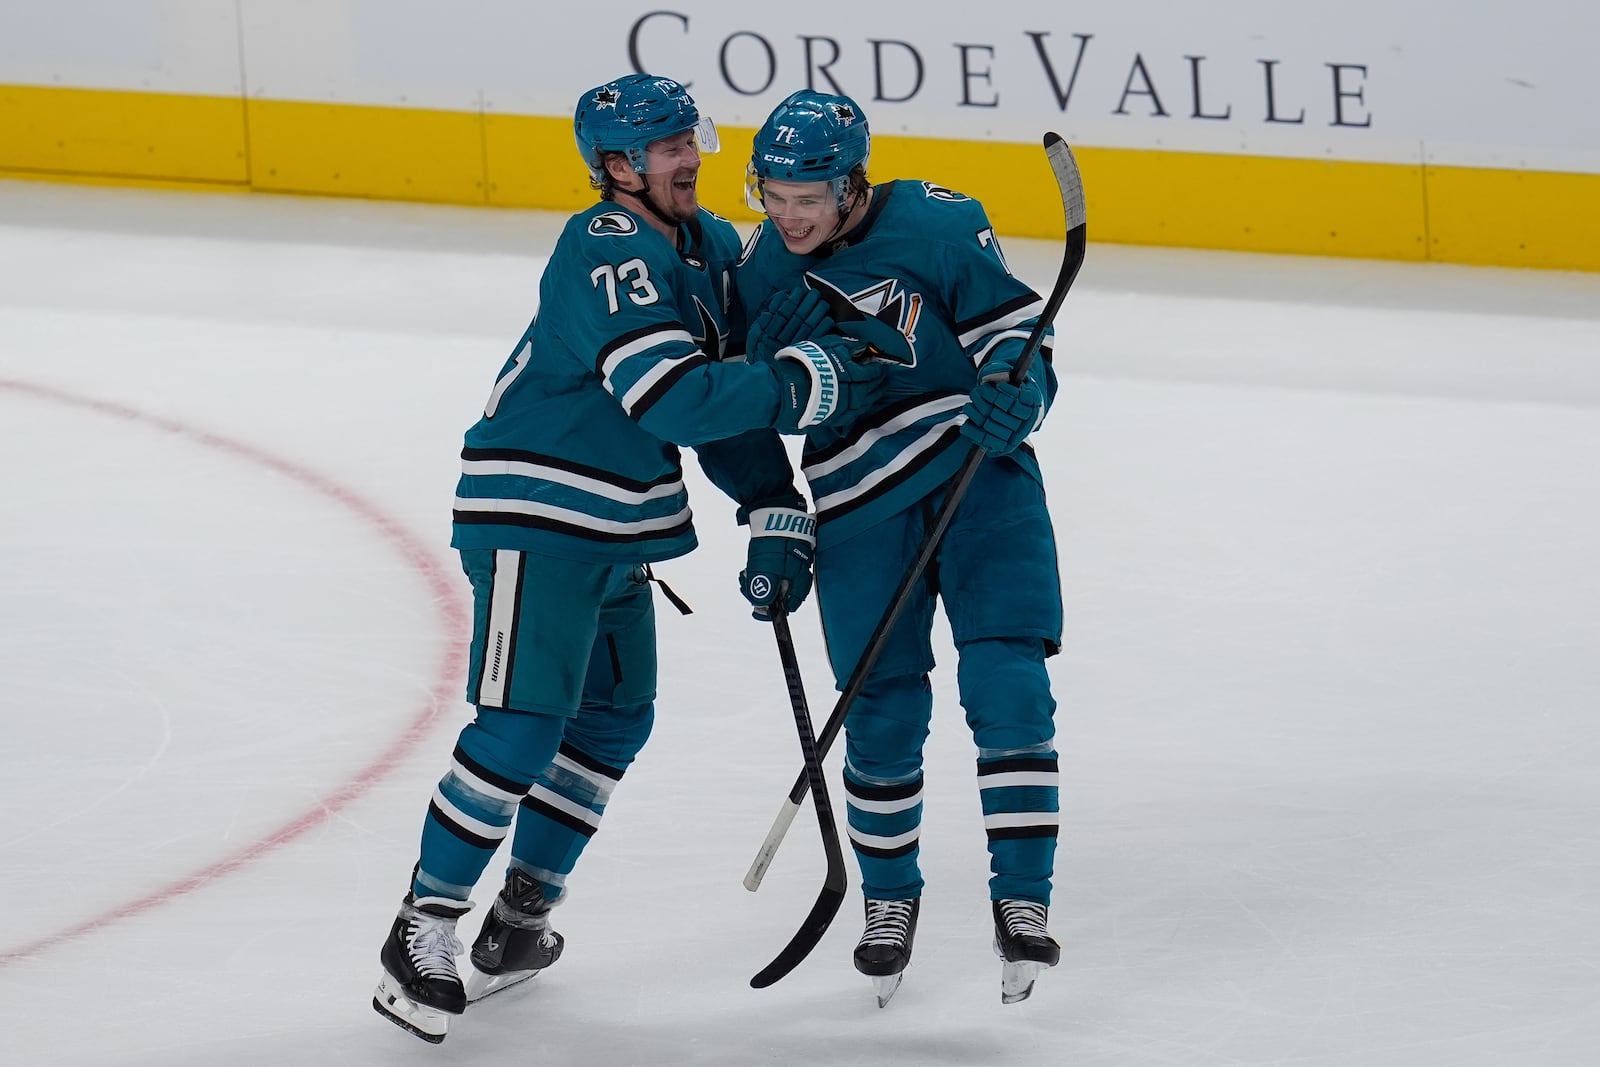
(833, 885)
(1064, 167)
(806, 938)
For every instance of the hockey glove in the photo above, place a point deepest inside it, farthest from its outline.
(1000, 416)
(792, 315)
(822, 381)
(783, 542)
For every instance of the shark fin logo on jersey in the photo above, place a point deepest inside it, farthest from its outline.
(613, 224)
(884, 315)
(713, 339)
(939, 192)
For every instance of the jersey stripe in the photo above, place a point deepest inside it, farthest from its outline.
(632, 343)
(657, 381)
(531, 465)
(1013, 312)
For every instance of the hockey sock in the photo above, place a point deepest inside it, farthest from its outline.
(559, 815)
(884, 821)
(468, 817)
(1021, 812)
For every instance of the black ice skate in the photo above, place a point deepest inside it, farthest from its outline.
(421, 988)
(516, 941)
(885, 946)
(1024, 946)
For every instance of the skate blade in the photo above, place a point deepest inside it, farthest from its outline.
(885, 986)
(481, 986)
(1016, 980)
(430, 1024)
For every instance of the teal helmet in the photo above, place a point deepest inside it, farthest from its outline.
(810, 137)
(630, 113)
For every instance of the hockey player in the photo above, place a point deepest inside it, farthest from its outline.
(914, 269)
(571, 486)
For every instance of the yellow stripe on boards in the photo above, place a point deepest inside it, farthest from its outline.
(1514, 218)
(379, 152)
(1184, 199)
(92, 132)
(533, 163)
(1255, 203)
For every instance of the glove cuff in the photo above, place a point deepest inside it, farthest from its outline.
(997, 370)
(784, 522)
(822, 381)
(1000, 371)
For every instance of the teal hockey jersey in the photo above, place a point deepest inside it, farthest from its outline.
(922, 279)
(576, 455)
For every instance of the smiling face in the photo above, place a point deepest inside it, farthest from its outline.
(672, 169)
(671, 178)
(805, 213)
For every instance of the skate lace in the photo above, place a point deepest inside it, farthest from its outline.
(887, 921)
(434, 946)
(1024, 918)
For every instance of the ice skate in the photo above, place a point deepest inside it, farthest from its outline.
(421, 987)
(1024, 946)
(885, 946)
(516, 941)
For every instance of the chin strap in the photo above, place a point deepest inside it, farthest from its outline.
(844, 216)
(642, 194)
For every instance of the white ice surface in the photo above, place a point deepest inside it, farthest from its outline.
(1329, 693)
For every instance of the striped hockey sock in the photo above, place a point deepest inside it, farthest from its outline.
(885, 827)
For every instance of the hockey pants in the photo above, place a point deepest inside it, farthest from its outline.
(563, 672)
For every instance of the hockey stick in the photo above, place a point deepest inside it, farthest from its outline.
(1067, 178)
(833, 884)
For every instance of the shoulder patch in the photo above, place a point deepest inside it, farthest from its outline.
(939, 192)
(613, 223)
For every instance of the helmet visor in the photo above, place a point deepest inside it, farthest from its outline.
(680, 149)
(802, 201)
